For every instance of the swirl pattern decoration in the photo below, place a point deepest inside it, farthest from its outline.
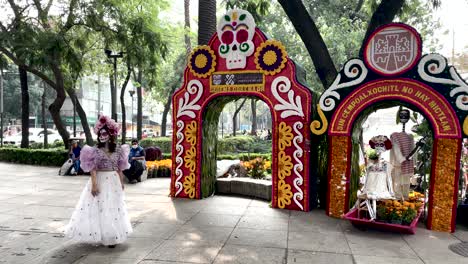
(179, 160)
(187, 107)
(291, 108)
(298, 167)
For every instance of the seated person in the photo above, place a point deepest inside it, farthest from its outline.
(74, 154)
(136, 158)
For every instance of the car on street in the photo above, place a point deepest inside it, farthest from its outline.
(36, 135)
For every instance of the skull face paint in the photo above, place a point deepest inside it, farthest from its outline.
(103, 136)
(235, 31)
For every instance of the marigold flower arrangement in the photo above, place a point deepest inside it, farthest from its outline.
(159, 168)
(256, 168)
(400, 212)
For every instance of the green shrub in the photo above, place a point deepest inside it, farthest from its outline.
(164, 143)
(45, 157)
(243, 144)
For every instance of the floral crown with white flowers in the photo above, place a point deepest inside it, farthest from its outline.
(105, 121)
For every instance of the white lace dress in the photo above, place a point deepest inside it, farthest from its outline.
(378, 182)
(102, 218)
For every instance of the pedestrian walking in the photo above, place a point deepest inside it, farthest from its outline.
(101, 215)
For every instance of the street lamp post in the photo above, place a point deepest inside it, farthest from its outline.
(132, 92)
(111, 55)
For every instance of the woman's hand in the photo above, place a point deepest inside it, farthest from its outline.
(94, 190)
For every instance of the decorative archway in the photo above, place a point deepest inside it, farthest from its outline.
(427, 84)
(240, 61)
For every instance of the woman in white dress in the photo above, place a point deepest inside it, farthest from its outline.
(101, 214)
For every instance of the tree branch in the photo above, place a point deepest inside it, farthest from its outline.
(15, 8)
(28, 68)
(308, 31)
(384, 14)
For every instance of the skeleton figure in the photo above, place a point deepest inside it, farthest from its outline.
(378, 181)
(235, 31)
(403, 167)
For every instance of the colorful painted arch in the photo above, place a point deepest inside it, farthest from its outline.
(435, 107)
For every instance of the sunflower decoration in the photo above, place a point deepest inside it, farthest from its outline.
(202, 61)
(270, 57)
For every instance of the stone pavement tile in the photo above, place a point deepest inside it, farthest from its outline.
(154, 230)
(105, 260)
(148, 198)
(432, 246)
(23, 251)
(162, 262)
(43, 211)
(68, 252)
(161, 216)
(333, 242)
(224, 209)
(186, 251)
(461, 232)
(307, 257)
(385, 260)
(223, 200)
(203, 233)
(34, 224)
(26, 199)
(259, 203)
(7, 207)
(134, 248)
(222, 220)
(6, 218)
(375, 243)
(260, 222)
(313, 221)
(260, 238)
(267, 212)
(4, 197)
(250, 255)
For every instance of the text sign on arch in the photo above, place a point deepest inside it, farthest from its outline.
(432, 104)
(242, 81)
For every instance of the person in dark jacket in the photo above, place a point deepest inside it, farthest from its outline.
(74, 154)
(136, 158)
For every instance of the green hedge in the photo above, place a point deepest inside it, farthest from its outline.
(229, 145)
(243, 157)
(46, 157)
(164, 143)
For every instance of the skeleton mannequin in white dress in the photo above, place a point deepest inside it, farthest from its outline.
(378, 181)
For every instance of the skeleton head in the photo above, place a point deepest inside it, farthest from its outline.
(404, 116)
(235, 31)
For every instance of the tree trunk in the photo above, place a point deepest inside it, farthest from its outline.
(23, 74)
(122, 103)
(234, 124)
(308, 31)
(139, 105)
(188, 45)
(167, 107)
(206, 20)
(385, 13)
(253, 105)
(43, 113)
(82, 115)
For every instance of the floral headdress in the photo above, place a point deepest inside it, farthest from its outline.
(381, 142)
(105, 121)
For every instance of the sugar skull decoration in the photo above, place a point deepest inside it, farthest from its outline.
(235, 32)
(380, 144)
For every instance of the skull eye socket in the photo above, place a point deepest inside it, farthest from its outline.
(242, 35)
(227, 37)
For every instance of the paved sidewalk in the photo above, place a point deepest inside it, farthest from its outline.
(36, 203)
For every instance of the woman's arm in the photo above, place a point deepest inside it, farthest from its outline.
(121, 177)
(94, 187)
